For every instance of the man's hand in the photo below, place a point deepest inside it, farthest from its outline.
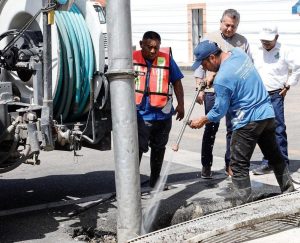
(178, 89)
(199, 81)
(200, 98)
(179, 111)
(198, 123)
(284, 91)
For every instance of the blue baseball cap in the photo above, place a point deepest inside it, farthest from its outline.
(203, 50)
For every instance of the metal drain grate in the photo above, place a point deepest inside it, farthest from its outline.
(257, 231)
(273, 214)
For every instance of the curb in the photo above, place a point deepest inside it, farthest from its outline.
(223, 221)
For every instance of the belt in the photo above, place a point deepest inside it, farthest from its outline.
(274, 91)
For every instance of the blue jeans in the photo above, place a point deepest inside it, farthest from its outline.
(280, 130)
(210, 132)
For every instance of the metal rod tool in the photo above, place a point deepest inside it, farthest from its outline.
(186, 122)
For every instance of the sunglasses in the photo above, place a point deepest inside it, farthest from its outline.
(266, 42)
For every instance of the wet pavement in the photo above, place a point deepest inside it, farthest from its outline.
(190, 197)
(253, 220)
(196, 197)
(187, 197)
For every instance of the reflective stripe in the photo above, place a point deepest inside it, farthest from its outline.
(158, 85)
(160, 81)
(140, 83)
(138, 79)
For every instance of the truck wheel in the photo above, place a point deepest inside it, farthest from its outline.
(10, 161)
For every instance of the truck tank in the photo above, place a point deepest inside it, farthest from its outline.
(77, 113)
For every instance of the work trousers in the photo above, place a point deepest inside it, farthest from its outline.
(210, 132)
(243, 142)
(153, 134)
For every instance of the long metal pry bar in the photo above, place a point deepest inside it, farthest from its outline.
(186, 121)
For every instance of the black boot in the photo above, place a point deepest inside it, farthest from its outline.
(140, 157)
(284, 179)
(242, 192)
(156, 161)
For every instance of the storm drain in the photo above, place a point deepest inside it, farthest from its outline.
(256, 231)
(261, 218)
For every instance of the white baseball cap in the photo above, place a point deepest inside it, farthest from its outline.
(268, 32)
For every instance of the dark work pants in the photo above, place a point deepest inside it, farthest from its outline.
(154, 134)
(243, 142)
(210, 132)
(228, 139)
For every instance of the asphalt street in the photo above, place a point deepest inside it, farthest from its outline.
(63, 176)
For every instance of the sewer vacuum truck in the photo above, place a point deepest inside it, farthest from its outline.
(53, 90)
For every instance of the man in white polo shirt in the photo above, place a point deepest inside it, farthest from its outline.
(279, 68)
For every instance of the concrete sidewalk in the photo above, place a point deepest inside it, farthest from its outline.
(189, 196)
(243, 223)
(193, 197)
(62, 177)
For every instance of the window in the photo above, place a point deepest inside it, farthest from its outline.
(196, 25)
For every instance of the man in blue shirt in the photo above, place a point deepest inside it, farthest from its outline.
(226, 38)
(158, 76)
(240, 92)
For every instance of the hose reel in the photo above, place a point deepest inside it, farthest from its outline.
(75, 63)
(76, 66)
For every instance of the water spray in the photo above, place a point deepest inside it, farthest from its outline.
(151, 210)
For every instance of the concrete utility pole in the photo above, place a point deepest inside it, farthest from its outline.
(124, 119)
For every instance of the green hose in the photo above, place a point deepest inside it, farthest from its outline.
(64, 97)
(76, 65)
(90, 62)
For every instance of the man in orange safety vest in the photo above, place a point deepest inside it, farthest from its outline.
(158, 76)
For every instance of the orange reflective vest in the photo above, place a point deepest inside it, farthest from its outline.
(157, 87)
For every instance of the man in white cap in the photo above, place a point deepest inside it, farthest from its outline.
(241, 93)
(279, 68)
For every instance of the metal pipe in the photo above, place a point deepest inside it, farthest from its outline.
(9, 130)
(47, 110)
(47, 58)
(37, 87)
(124, 119)
(199, 88)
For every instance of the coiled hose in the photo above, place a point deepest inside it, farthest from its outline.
(76, 65)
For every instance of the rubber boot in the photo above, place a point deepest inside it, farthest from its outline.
(284, 179)
(156, 161)
(242, 192)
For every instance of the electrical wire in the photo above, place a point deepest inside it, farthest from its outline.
(20, 33)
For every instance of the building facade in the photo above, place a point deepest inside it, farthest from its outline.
(182, 23)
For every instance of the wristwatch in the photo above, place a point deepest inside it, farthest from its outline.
(287, 87)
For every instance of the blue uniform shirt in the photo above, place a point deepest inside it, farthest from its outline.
(148, 113)
(240, 91)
